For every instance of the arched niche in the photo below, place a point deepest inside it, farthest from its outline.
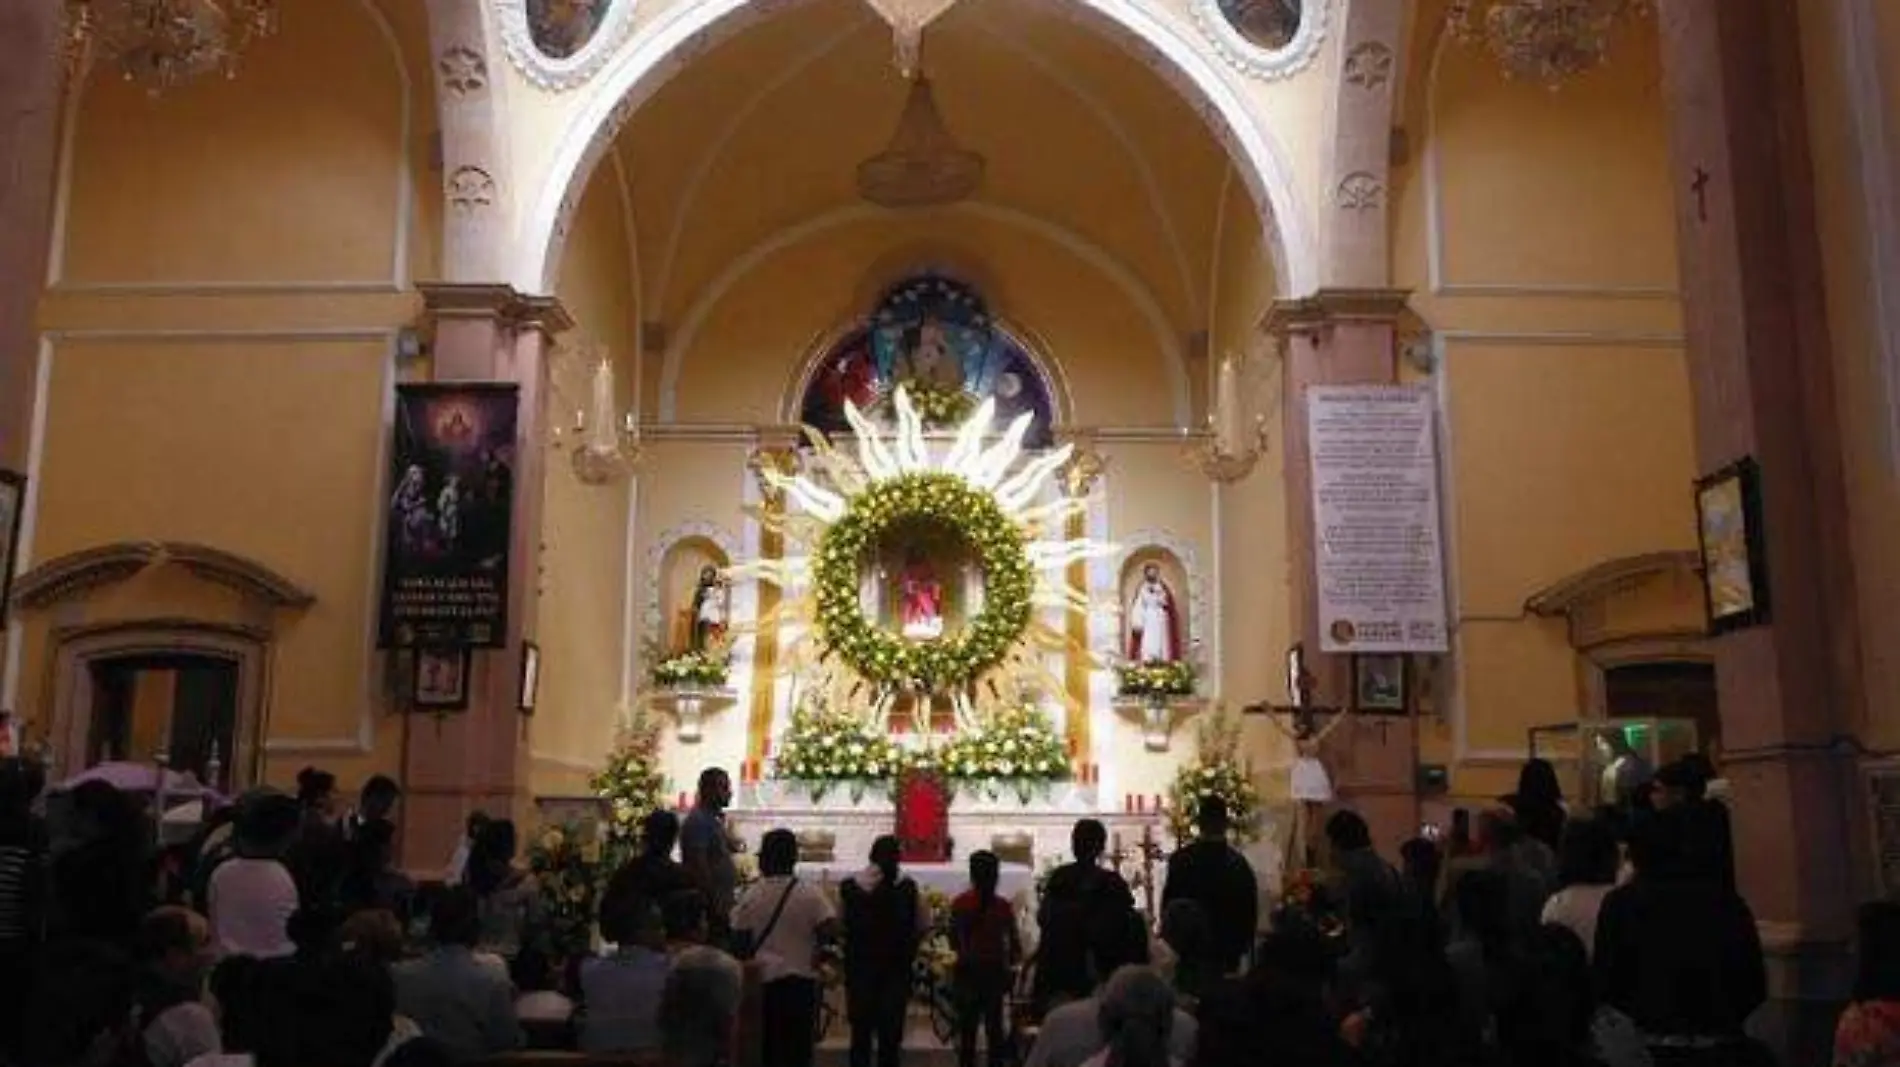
(679, 557)
(1176, 578)
(934, 330)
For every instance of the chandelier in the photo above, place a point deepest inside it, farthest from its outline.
(160, 43)
(923, 166)
(1549, 41)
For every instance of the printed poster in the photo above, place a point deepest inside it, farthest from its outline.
(452, 475)
(1376, 541)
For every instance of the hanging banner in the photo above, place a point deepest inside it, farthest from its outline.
(445, 557)
(1376, 542)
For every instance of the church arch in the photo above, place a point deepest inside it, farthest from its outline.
(681, 33)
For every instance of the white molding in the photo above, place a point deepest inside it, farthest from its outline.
(1144, 172)
(1866, 100)
(1168, 345)
(1435, 227)
(560, 75)
(364, 740)
(1560, 339)
(666, 44)
(736, 118)
(397, 282)
(1199, 590)
(543, 758)
(1266, 64)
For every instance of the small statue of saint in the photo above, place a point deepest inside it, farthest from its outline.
(920, 600)
(1154, 624)
(709, 609)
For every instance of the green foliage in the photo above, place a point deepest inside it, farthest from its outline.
(1217, 771)
(1175, 679)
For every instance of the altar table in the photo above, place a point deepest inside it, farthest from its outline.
(946, 878)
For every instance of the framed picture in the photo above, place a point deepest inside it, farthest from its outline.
(1729, 532)
(12, 505)
(530, 682)
(1378, 683)
(441, 679)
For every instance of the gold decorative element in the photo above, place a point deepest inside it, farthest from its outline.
(1085, 467)
(923, 166)
(773, 466)
(160, 43)
(1548, 41)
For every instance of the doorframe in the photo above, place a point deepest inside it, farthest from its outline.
(76, 650)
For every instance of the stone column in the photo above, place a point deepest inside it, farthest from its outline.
(30, 77)
(1760, 366)
(1341, 337)
(478, 758)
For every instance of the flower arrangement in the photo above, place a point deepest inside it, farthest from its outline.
(632, 783)
(1306, 901)
(1018, 743)
(825, 745)
(1159, 679)
(938, 405)
(885, 658)
(570, 871)
(936, 958)
(1217, 771)
(706, 668)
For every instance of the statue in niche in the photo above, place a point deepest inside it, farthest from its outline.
(709, 609)
(1268, 24)
(1154, 623)
(920, 599)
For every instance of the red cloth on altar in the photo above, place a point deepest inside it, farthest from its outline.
(923, 819)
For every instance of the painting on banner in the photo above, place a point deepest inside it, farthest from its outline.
(445, 569)
(1377, 546)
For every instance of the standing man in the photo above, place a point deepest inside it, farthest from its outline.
(706, 851)
(1077, 900)
(377, 802)
(1210, 872)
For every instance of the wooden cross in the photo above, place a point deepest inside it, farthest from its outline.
(1700, 187)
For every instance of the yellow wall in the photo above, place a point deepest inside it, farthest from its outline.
(584, 567)
(231, 271)
(1535, 230)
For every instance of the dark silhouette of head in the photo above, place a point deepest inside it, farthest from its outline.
(1210, 817)
(379, 797)
(683, 914)
(1346, 831)
(456, 918)
(659, 833)
(778, 853)
(985, 872)
(1878, 953)
(1088, 840)
(1588, 855)
(715, 788)
(1537, 784)
(885, 852)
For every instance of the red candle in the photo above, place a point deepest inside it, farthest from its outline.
(1128, 803)
(682, 801)
(1157, 803)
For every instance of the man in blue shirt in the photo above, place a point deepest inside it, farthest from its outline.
(706, 850)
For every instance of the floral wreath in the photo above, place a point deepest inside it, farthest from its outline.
(884, 658)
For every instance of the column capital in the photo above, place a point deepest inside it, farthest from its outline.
(1326, 308)
(494, 300)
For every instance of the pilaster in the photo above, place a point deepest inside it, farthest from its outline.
(479, 758)
(30, 78)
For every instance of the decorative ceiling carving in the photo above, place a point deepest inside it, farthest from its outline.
(592, 45)
(1255, 61)
(77, 574)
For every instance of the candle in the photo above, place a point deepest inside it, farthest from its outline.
(1227, 409)
(1157, 803)
(682, 801)
(1128, 803)
(600, 430)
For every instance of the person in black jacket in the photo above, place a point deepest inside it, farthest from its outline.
(1077, 898)
(1210, 872)
(884, 919)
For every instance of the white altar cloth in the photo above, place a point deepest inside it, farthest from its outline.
(949, 879)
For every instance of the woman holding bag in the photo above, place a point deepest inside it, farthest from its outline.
(782, 921)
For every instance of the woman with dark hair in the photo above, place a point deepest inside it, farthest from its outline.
(320, 857)
(102, 887)
(1586, 872)
(884, 921)
(1539, 802)
(373, 882)
(785, 920)
(508, 897)
(1868, 1034)
(983, 934)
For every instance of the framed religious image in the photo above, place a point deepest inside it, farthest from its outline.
(12, 504)
(530, 683)
(441, 679)
(1378, 683)
(1729, 532)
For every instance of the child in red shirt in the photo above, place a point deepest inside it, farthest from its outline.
(983, 933)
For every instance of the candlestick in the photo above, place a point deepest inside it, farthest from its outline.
(600, 432)
(1227, 409)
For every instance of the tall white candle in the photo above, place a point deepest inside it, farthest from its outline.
(603, 424)
(1227, 409)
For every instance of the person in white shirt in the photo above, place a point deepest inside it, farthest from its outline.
(458, 861)
(460, 998)
(252, 897)
(622, 989)
(786, 921)
(1586, 872)
(1073, 1033)
(1137, 1020)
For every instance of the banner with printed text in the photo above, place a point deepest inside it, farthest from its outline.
(445, 557)
(1376, 542)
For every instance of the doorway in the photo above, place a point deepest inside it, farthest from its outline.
(1671, 689)
(183, 705)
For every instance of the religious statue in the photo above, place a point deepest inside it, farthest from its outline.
(1625, 773)
(1154, 624)
(411, 503)
(709, 609)
(920, 600)
(448, 511)
(927, 358)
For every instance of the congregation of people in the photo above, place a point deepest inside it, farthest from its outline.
(284, 935)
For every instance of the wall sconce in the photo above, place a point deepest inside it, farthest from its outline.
(607, 447)
(1228, 452)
